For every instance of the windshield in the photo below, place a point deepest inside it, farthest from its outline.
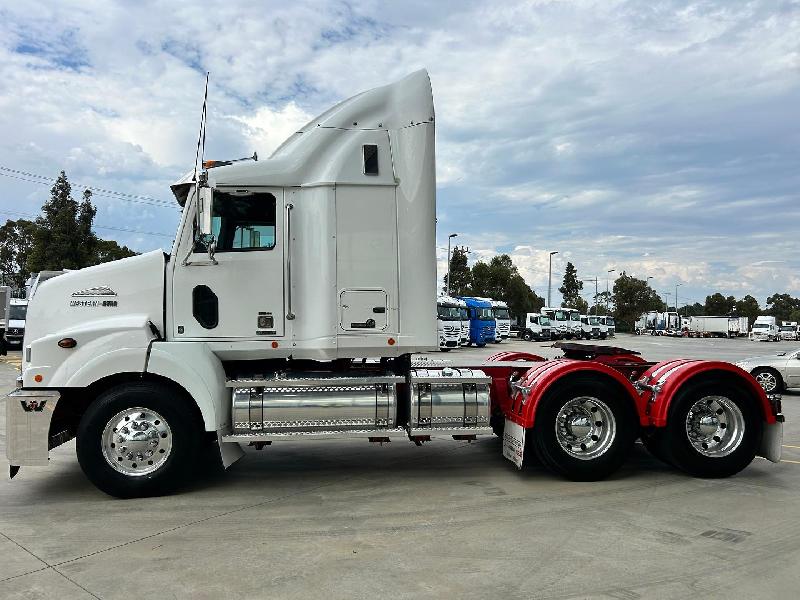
(594, 321)
(448, 313)
(17, 312)
(760, 326)
(544, 321)
(561, 315)
(574, 315)
(501, 313)
(609, 320)
(464, 313)
(787, 328)
(483, 314)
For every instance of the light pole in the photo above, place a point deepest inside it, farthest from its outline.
(550, 277)
(595, 293)
(610, 271)
(449, 237)
(677, 310)
(666, 306)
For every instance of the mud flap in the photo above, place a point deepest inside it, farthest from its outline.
(771, 442)
(514, 442)
(229, 452)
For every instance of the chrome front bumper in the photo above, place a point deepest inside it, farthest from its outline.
(28, 416)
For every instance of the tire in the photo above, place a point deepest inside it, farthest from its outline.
(527, 336)
(481, 345)
(654, 443)
(769, 379)
(170, 428)
(444, 349)
(608, 444)
(498, 424)
(723, 452)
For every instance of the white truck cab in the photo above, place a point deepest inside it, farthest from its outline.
(17, 315)
(788, 331)
(561, 327)
(464, 316)
(590, 327)
(502, 319)
(575, 328)
(537, 327)
(448, 323)
(765, 329)
(611, 327)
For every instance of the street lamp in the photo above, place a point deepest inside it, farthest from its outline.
(666, 306)
(677, 310)
(550, 277)
(610, 271)
(449, 237)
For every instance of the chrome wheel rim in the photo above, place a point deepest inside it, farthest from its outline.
(767, 380)
(585, 427)
(715, 426)
(136, 441)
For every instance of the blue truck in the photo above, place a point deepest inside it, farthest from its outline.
(481, 321)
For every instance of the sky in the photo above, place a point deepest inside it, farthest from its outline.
(659, 138)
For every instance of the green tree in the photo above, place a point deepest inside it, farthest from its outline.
(632, 298)
(460, 274)
(784, 307)
(63, 238)
(581, 305)
(717, 304)
(748, 307)
(499, 279)
(695, 309)
(16, 239)
(571, 287)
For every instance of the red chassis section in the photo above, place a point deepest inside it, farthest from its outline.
(516, 390)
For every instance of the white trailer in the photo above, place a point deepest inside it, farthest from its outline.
(296, 292)
(714, 326)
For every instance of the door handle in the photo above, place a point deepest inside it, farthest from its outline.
(289, 313)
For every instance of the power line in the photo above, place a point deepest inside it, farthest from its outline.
(125, 229)
(103, 192)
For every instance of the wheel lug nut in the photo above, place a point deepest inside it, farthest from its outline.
(598, 423)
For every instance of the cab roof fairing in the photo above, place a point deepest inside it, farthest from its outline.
(312, 155)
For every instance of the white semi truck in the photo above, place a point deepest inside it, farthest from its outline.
(502, 328)
(765, 329)
(537, 328)
(448, 323)
(295, 294)
(464, 316)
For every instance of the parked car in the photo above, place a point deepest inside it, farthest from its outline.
(774, 372)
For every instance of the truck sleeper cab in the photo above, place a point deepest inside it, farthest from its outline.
(481, 321)
(296, 293)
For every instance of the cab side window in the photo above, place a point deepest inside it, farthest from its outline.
(244, 223)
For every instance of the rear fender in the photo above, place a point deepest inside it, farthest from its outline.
(500, 387)
(529, 391)
(662, 382)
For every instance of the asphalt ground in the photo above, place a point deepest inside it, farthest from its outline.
(349, 519)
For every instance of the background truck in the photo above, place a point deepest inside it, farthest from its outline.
(464, 316)
(536, 328)
(502, 320)
(765, 329)
(714, 326)
(296, 294)
(561, 326)
(590, 327)
(481, 321)
(788, 331)
(5, 305)
(448, 323)
(15, 330)
(611, 327)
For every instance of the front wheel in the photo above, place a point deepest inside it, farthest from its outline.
(713, 430)
(138, 440)
(527, 336)
(584, 430)
(769, 380)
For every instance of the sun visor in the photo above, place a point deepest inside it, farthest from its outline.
(180, 189)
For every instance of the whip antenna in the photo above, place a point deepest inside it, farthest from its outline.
(201, 137)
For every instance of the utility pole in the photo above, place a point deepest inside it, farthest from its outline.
(550, 277)
(610, 271)
(677, 310)
(666, 305)
(449, 238)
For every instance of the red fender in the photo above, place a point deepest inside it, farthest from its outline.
(662, 381)
(499, 390)
(530, 390)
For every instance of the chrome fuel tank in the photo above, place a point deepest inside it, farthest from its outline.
(315, 404)
(449, 401)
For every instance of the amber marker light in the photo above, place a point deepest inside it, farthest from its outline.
(274, 344)
(390, 341)
(37, 378)
(67, 343)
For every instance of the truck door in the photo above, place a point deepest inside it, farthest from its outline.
(242, 295)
